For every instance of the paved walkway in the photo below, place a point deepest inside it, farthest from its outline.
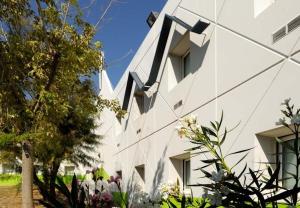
(10, 197)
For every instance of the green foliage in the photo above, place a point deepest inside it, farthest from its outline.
(67, 179)
(73, 198)
(102, 173)
(48, 55)
(120, 198)
(189, 202)
(226, 187)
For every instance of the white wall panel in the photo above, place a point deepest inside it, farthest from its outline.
(204, 7)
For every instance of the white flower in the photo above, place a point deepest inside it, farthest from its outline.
(217, 176)
(102, 185)
(195, 127)
(216, 198)
(165, 196)
(296, 119)
(192, 119)
(182, 131)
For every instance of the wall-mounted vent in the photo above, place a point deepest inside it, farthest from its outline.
(177, 105)
(294, 24)
(279, 34)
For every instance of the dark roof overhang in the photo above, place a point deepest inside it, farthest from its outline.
(198, 28)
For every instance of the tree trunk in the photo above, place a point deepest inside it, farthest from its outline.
(27, 168)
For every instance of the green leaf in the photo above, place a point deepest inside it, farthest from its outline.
(242, 173)
(221, 120)
(274, 176)
(238, 189)
(207, 174)
(208, 131)
(254, 178)
(172, 204)
(61, 186)
(240, 151)
(224, 137)
(283, 195)
(213, 125)
(74, 190)
(210, 160)
(240, 160)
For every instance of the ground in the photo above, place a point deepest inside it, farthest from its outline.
(10, 197)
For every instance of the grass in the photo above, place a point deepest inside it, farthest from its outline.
(67, 179)
(15, 179)
(178, 205)
(10, 179)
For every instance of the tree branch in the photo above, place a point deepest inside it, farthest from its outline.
(51, 79)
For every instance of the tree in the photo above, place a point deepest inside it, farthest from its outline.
(73, 138)
(46, 48)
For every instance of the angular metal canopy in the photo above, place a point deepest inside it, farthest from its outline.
(198, 28)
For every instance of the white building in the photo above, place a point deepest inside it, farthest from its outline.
(237, 56)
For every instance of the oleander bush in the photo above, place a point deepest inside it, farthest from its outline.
(100, 191)
(248, 188)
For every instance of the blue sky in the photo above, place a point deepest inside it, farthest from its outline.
(122, 31)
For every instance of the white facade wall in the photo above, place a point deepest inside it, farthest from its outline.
(238, 69)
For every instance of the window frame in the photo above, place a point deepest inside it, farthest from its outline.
(183, 65)
(186, 177)
(285, 138)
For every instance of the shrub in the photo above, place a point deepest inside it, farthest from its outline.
(226, 187)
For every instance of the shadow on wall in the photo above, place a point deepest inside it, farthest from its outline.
(133, 187)
(144, 104)
(149, 101)
(268, 145)
(200, 52)
(158, 176)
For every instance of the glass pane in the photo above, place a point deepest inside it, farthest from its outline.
(288, 164)
(187, 172)
(187, 64)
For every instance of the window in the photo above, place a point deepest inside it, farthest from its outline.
(119, 173)
(141, 175)
(7, 168)
(186, 173)
(179, 60)
(179, 67)
(288, 163)
(186, 64)
(69, 170)
(180, 169)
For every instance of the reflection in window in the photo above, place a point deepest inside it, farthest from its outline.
(186, 173)
(288, 164)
